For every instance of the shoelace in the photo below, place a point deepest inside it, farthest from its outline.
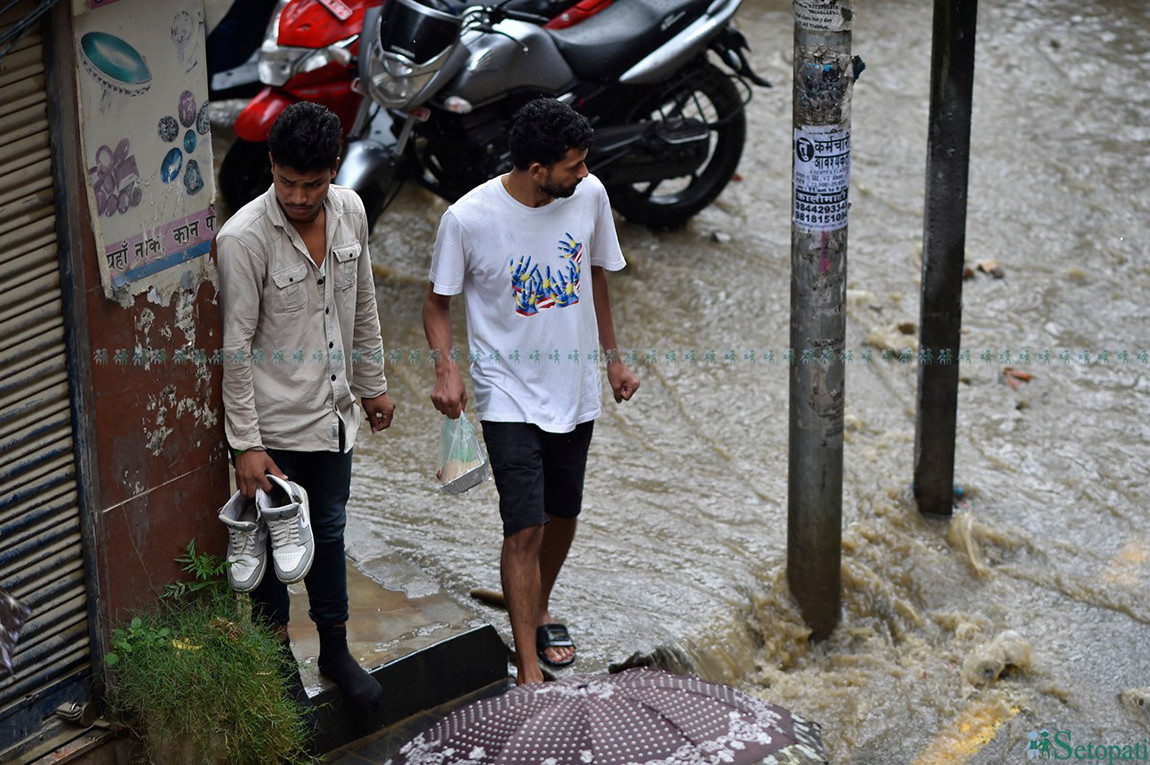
(285, 532)
(243, 542)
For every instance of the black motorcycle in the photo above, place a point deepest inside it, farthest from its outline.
(444, 81)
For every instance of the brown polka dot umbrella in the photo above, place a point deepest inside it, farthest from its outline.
(638, 717)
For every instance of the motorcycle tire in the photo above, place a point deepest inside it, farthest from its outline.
(245, 173)
(708, 95)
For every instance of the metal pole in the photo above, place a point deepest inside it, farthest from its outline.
(823, 79)
(943, 242)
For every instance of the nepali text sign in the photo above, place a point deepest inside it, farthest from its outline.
(822, 171)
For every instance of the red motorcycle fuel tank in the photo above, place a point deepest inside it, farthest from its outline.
(313, 24)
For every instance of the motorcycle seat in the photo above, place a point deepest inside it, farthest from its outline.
(620, 36)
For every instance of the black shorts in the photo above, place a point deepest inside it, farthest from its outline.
(537, 473)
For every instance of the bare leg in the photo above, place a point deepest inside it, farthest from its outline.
(519, 573)
(557, 538)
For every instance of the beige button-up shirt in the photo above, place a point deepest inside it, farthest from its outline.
(300, 344)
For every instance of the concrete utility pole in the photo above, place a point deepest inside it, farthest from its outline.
(943, 243)
(823, 79)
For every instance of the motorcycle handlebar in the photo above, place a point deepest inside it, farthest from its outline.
(485, 17)
(479, 15)
(500, 10)
(530, 18)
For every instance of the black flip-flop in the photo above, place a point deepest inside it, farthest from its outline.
(553, 636)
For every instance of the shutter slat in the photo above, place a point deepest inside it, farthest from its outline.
(41, 544)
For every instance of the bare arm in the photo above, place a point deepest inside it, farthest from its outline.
(449, 395)
(365, 373)
(623, 382)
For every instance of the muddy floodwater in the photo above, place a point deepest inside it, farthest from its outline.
(959, 638)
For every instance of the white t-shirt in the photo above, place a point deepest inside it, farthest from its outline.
(526, 275)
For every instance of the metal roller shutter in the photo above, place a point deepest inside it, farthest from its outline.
(41, 555)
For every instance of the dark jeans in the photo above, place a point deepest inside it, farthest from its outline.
(326, 477)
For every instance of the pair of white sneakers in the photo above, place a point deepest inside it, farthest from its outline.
(281, 514)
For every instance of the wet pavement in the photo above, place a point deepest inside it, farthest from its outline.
(682, 548)
(428, 651)
(395, 611)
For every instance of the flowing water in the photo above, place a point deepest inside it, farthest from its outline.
(959, 638)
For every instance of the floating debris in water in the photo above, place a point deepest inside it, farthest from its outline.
(988, 664)
(992, 268)
(1015, 377)
(1137, 702)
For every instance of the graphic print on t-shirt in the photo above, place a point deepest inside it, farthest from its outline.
(537, 290)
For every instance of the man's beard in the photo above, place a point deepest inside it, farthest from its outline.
(559, 192)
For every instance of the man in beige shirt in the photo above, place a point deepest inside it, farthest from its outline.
(301, 344)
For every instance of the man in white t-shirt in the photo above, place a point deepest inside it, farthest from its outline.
(520, 247)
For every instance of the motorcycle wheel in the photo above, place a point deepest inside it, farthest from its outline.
(708, 95)
(245, 172)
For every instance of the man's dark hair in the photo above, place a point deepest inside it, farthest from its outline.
(544, 130)
(306, 137)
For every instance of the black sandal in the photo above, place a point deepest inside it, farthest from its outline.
(553, 636)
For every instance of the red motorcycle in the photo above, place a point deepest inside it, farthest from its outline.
(310, 53)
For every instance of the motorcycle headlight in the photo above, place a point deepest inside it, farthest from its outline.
(396, 84)
(414, 44)
(278, 64)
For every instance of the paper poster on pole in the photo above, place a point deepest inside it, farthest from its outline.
(824, 15)
(146, 141)
(822, 175)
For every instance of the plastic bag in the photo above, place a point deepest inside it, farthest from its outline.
(462, 462)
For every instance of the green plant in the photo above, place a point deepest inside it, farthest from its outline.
(136, 635)
(209, 575)
(201, 682)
